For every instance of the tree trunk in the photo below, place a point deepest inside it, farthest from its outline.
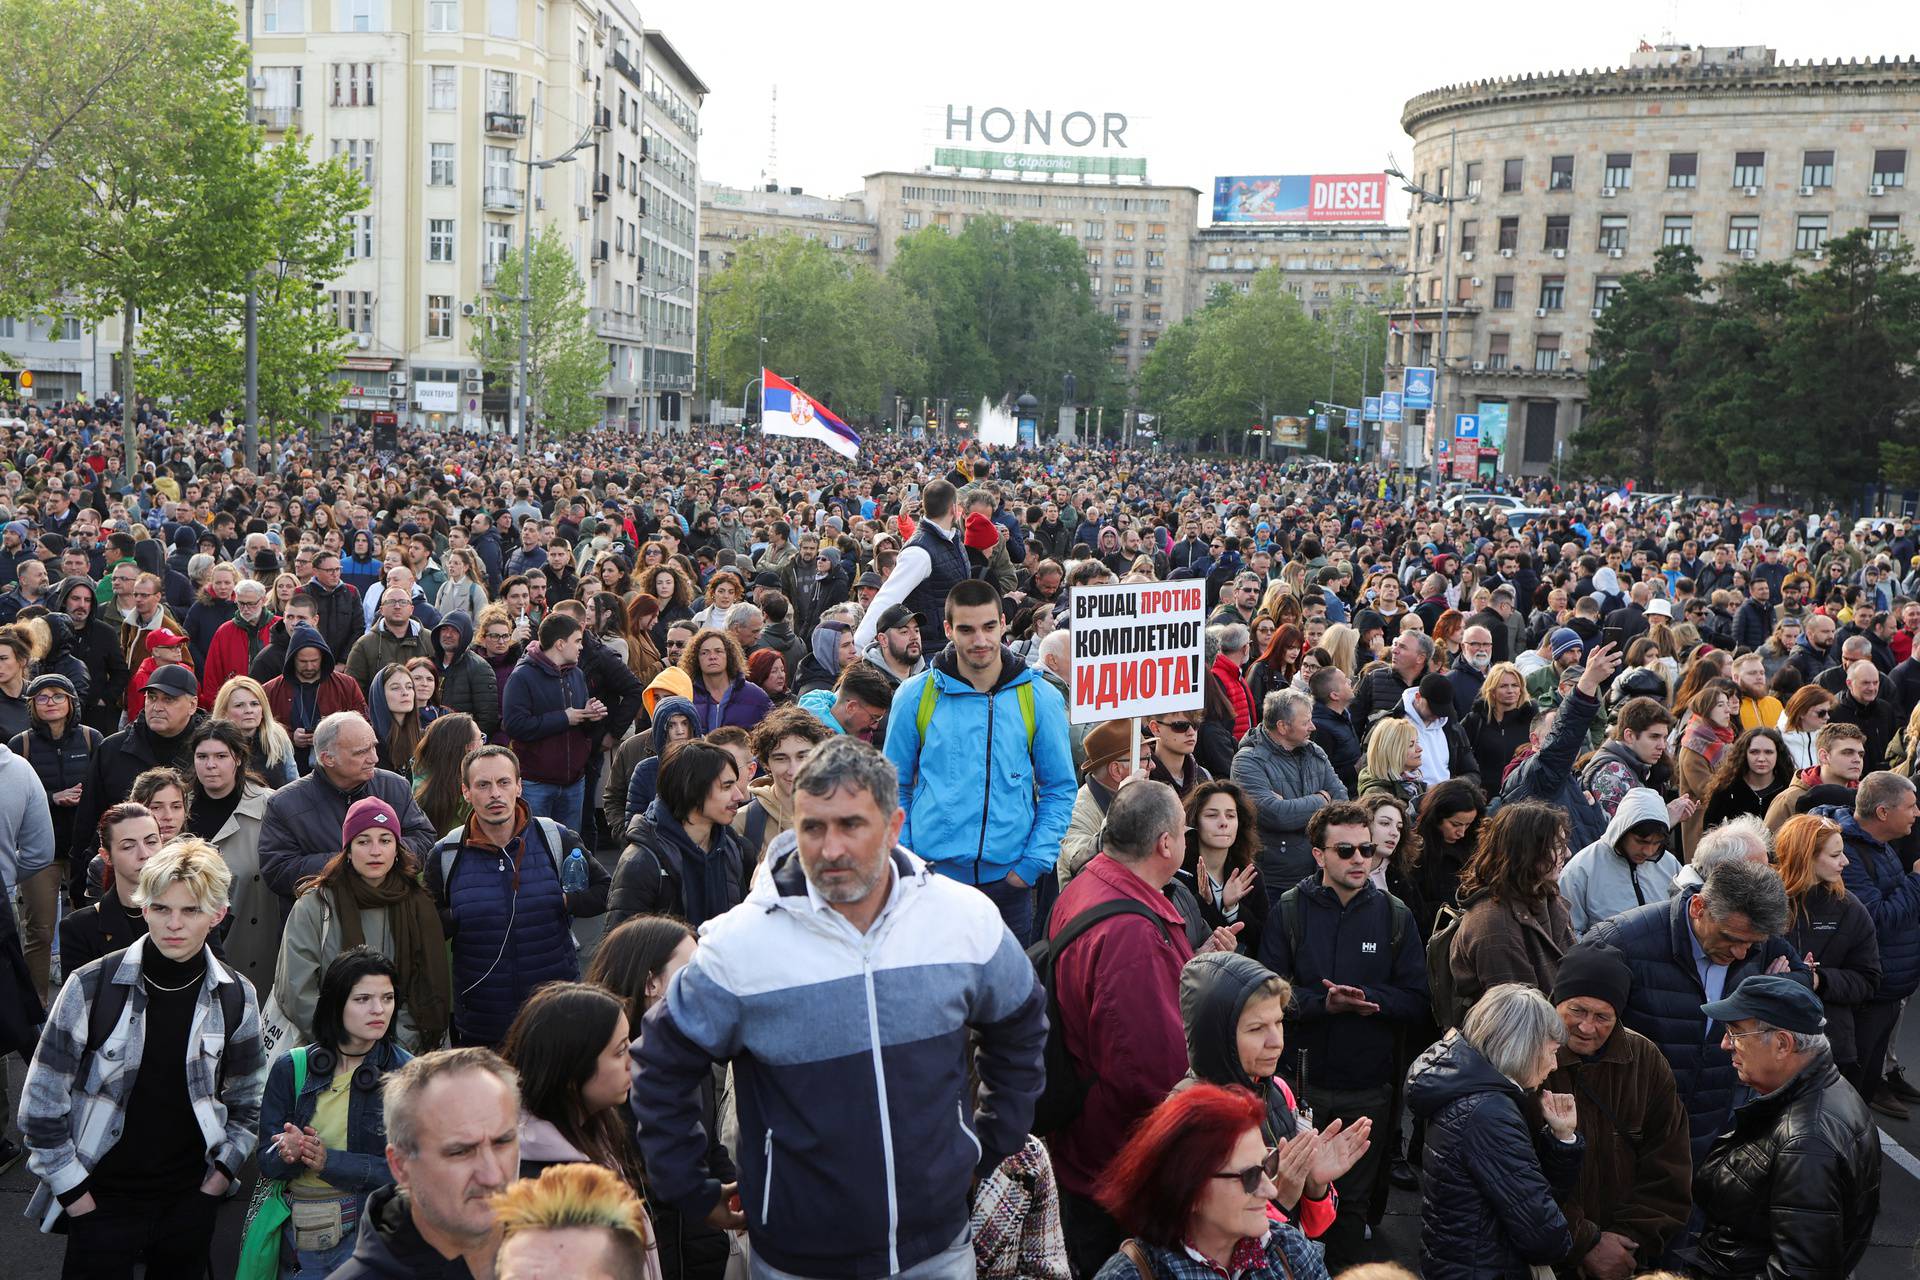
(129, 432)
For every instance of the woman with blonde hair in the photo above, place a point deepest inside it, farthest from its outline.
(1393, 761)
(1342, 643)
(242, 702)
(1500, 722)
(1832, 931)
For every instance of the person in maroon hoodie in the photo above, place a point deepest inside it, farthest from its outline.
(546, 713)
(1118, 985)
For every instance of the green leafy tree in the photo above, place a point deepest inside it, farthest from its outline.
(1847, 363)
(838, 328)
(1631, 386)
(1725, 431)
(566, 361)
(144, 190)
(194, 349)
(1012, 310)
(1255, 356)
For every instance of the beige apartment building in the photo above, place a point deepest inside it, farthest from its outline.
(1567, 181)
(1319, 264)
(729, 215)
(1138, 239)
(438, 104)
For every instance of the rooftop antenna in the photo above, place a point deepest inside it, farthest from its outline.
(770, 175)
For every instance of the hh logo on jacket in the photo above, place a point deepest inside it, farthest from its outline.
(1369, 948)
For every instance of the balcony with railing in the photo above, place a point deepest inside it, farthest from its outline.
(506, 124)
(277, 119)
(502, 199)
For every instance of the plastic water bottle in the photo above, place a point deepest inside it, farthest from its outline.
(573, 872)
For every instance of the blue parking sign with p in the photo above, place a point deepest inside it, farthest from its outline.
(1466, 426)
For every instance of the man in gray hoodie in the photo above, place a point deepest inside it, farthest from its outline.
(1288, 777)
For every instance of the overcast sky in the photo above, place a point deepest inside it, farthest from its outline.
(1209, 89)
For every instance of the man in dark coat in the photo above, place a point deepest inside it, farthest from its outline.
(96, 643)
(167, 721)
(1688, 950)
(1633, 1195)
(1862, 704)
(1883, 882)
(1792, 1188)
(341, 619)
(301, 830)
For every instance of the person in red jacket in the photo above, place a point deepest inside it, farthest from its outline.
(1118, 985)
(1236, 649)
(238, 640)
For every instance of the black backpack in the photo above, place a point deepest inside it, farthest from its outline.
(1065, 1093)
(110, 1001)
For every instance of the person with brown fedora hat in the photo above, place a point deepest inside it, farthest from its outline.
(1110, 757)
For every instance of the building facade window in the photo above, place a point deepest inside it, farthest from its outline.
(443, 89)
(1473, 178)
(1469, 234)
(1605, 290)
(1123, 258)
(1511, 175)
(359, 237)
(1509, 233)
(282, 88)
(1546, 352)
(503, 19)
(1619, 173)
(352, 84)
(1749, 168)
(500, 92)
(443, 15)
(1683, 169)
(1560, 174)
(1095, 231)
(1883, 229)
(1123, 311)
(1497, 351)
(1743, 233)
(499, 242)
(1810, 233)
(1503, 293)
(1553, 293)
(1558, 227)
(1613, 233)
(283, 17)
(439, 315)
(1677, 228)
(1156, 257)
(1816, 169)
(439, 239)
(440, 164)
(1890, 168)
(359, 154)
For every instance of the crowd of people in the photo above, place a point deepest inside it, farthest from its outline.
(1561, 870)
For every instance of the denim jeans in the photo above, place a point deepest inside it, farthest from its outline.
(550, 800)
(1016, 907)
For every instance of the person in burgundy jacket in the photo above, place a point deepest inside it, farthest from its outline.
(1118, 985)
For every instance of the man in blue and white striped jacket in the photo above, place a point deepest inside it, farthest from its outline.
(843, 991)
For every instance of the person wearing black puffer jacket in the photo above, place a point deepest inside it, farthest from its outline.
(1490, 1206)
(682, 856)
(58, 746)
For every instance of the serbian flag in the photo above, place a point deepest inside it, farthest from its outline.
(786, 410)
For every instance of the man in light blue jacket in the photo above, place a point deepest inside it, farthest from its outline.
(986, 769)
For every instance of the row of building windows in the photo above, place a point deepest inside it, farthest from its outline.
(1743, 233)
(1125, 258)
(289, 17)
(52, 329)
(1683, 171)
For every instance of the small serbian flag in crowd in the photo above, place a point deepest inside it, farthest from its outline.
(786, 410)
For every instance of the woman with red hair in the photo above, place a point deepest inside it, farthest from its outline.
(1192, 1188)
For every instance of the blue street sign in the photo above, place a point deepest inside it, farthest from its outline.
(1466, 426)
(1370, 408)
(1390, 406)
(1416, 386)
(1320, 423)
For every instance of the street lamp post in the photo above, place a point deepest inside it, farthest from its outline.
(1436, 416)
(523, 397)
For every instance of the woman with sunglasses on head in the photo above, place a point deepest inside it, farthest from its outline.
(1806, 714)
(1193, 1188)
